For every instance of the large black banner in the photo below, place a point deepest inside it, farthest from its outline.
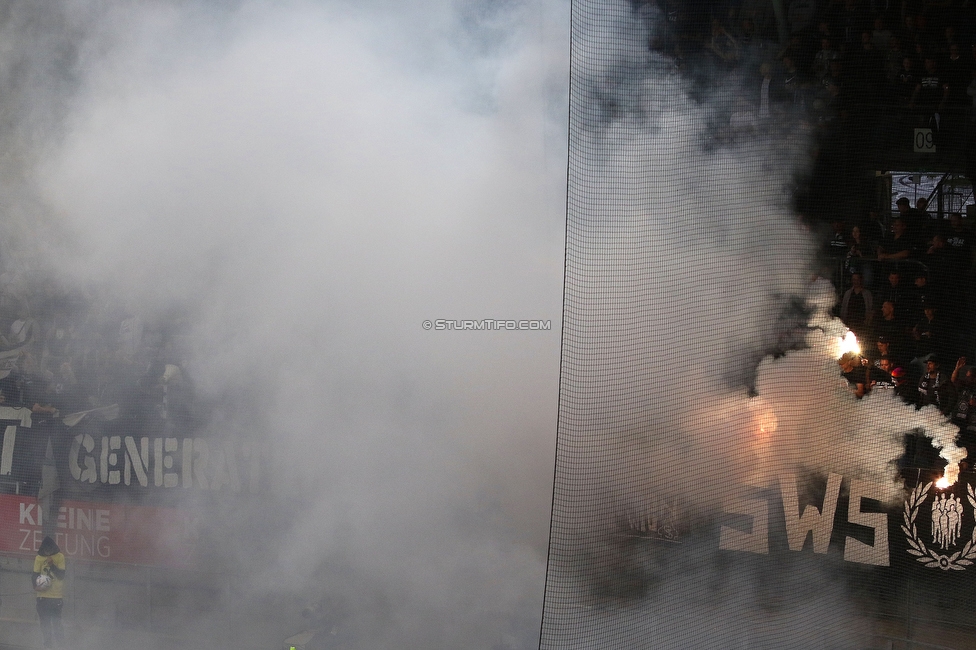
(95, 457)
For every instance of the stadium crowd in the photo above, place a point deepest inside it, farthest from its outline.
(908, 300)
(64, 351)
(859, 78)
(860, 71)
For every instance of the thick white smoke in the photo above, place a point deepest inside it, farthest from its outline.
(314, 181)
(688, 269)
(691, 267)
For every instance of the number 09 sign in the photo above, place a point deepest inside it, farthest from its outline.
(923, 141)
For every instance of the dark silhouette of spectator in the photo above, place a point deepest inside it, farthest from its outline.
(872, 232)
(963, 379)
(891, 327)
(857, 307)
(930, 96)
(959, 259)
(933, 385)
(885, 364)
(900, 246)
(49, 563)
(59, 343)
(929, 333)
(869, 69)
(746, 32)
(922, 221)
(903, 85)
(963, 414)
(896, 292)
(924, 293)
(894, 55)
(881, 36)
(859, 251)
(793, 49)
(904, 388)
(823, 58)
(837, 74)
(886, 350)
(854, 372)
(949, 39)
(938, 260)
(904, 206)
(880, 377)
(792, 87)
(908, 33)
(838, 244)
(722, 46)
(66, 395)
(851, 22)
(926, 38)
(959, 245)
(958, 72)
(971, 92)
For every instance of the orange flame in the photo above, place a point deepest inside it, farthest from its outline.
(949, 478)
(847, 343)
(768, 424)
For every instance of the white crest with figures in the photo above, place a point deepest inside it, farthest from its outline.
(947, 523)
(946, 520)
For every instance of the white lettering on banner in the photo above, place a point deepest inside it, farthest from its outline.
(814, 521)
(25, 513)
(170, 479)
(103, 462)
(27, 516)
(7, 452)
(187, 462)
(819, 523)
(113, 532)
(71, 544)
(757, 541)
(166, 462)
(90, 473)
(137, 460)
(854, 550)
(82, 532)
(114, 445)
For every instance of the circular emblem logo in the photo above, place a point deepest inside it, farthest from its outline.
(947, 517)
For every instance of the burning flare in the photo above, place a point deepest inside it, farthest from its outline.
(847, 343)
(950, 477)
(767, 424)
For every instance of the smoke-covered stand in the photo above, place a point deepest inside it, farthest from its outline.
(719, 481)
(905, 563)
(905, 569)
(114, 485)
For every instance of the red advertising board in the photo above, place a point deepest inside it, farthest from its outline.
(101, 532)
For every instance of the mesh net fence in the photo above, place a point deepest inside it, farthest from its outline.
(731, 472)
